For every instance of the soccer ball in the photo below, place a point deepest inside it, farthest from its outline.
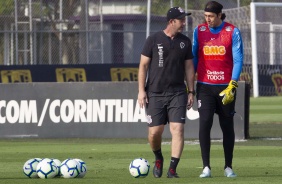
(29, 167)
(69, 168)
(47, 169)
(58, 164)
(81, 167)
(139, 168)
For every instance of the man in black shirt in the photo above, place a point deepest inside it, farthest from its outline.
(166, 61)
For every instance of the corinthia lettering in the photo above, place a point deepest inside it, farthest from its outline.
(66, 111)
(77, 111)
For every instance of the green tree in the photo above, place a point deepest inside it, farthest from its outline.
(160, 7)
(66, 39)
(6, 7)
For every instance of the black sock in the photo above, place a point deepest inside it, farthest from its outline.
(158, 154)
(173, 163)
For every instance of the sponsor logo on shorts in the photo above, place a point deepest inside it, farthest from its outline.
(199, 103)
(149, 119)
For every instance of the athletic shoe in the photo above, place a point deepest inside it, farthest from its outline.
(172, 174)
(206, 173)
(228, 172)
(158, 169)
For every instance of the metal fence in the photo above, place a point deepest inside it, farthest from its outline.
(113, 31)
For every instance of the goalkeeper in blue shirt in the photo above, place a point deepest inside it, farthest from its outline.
(218, 60)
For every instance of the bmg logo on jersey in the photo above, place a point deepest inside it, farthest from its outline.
(15, 76)
(214, 52)
(70, 75)
(124, 74)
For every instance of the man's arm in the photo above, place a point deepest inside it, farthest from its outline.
(238, 54)
(195, 48)
(190, 74)
(238, 57)
(142, 74)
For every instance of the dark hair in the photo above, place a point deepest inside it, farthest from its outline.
(215, 7)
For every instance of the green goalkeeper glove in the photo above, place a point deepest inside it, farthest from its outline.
(229, 93)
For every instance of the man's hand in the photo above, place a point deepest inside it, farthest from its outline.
(229, 93)
(142, 99)
(190, 101)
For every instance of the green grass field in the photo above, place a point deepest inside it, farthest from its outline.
(266, 117)
(257, 160)
(266, 109)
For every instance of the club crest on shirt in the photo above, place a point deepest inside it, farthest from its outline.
(203, 28)
(228, 28)
(182, 45)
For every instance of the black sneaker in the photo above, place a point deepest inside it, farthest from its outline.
(158, 169)
(172, 174)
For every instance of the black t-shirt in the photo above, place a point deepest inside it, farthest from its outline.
(167, 66)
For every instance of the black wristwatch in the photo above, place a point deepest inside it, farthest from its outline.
(193, 92)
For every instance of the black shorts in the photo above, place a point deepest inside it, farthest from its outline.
(166, 107)
(208, 99)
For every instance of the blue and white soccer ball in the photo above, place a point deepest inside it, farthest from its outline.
(139, 168)
(81, 167)
(47, 169)
(29, 167)
(69, 168)
(58, 164)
